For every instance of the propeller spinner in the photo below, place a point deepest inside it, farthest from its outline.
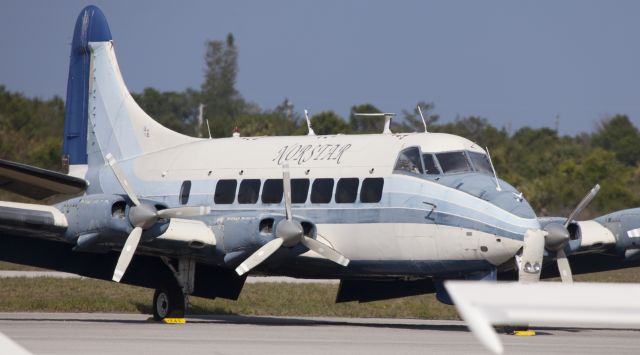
(289, 232)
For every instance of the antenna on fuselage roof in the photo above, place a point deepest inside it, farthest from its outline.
(498, 188)
(306, 116)
(423, 121)
(387, 119)
(201, 118)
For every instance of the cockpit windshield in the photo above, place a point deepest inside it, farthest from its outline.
(411, 160)
(453, 162)
(430, 166)
(481, 162)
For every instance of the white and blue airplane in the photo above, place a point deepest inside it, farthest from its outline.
(390, 215)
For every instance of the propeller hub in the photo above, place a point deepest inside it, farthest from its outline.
(290, 231)
(143, 216)
(557, 236)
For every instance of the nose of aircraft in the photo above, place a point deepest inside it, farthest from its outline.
(484, 186)
(509, 199)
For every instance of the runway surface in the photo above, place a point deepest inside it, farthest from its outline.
(77, 333)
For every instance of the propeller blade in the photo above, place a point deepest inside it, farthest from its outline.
(182, 212)
(122, 179)
(530, 263)
(259, 256)
(127, 253)
(581, 206)
(325, 250)
(286, 187)
(563, 267)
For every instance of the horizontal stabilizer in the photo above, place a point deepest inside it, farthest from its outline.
(37, 183)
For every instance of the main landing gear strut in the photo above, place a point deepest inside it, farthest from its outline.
(170, 301)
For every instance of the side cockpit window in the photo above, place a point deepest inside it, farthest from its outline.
(453, 162)
(481, 162)
(409, 161)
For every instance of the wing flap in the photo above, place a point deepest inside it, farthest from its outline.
(37, 183)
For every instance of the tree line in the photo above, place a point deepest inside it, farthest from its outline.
(553, 171)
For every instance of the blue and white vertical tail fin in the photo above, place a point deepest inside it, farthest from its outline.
(101, 116)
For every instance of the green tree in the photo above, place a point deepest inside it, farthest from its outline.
(31, 129)
(328, 122)
(620, 136)
(476, 129)
(413, 122)
(223, 102)
(564, 187)
(365, 124)
(174, 110)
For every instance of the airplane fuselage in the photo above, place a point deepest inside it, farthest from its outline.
(389, 219)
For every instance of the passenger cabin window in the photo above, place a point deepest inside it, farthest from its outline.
(347, 190)
(185, 189)
(321, 191)
(453, 162)
(272, 191)
(481, 162)
(430, 166)
(371, 191)
(249, 190)
(409, 160)
(299, 190)
(225, 191)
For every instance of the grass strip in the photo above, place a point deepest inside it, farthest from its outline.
(46, 294)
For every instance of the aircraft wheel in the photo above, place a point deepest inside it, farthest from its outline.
(168, 304)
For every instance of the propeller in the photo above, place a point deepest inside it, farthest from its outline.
(143, 216)
(289, 233)
(554, 237)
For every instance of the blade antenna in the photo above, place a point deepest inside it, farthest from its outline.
(208, 128)
(423, 120)
(495, 176)
(306, 116)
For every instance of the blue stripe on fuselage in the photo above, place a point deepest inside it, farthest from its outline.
(406, 199)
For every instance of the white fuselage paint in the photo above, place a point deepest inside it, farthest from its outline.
(159, 176)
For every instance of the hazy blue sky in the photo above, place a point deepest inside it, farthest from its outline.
(513, 62)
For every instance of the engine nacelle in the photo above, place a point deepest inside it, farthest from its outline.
(95, 219)
(590, 236)
(625, 225)
(238, 233)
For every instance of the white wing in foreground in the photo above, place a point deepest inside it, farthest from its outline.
(8, 346)
(484, 304)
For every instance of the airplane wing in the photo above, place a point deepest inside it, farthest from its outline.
(8, 346)
(484, 304)
(37, 183)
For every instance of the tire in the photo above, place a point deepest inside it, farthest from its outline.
(168, 303)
